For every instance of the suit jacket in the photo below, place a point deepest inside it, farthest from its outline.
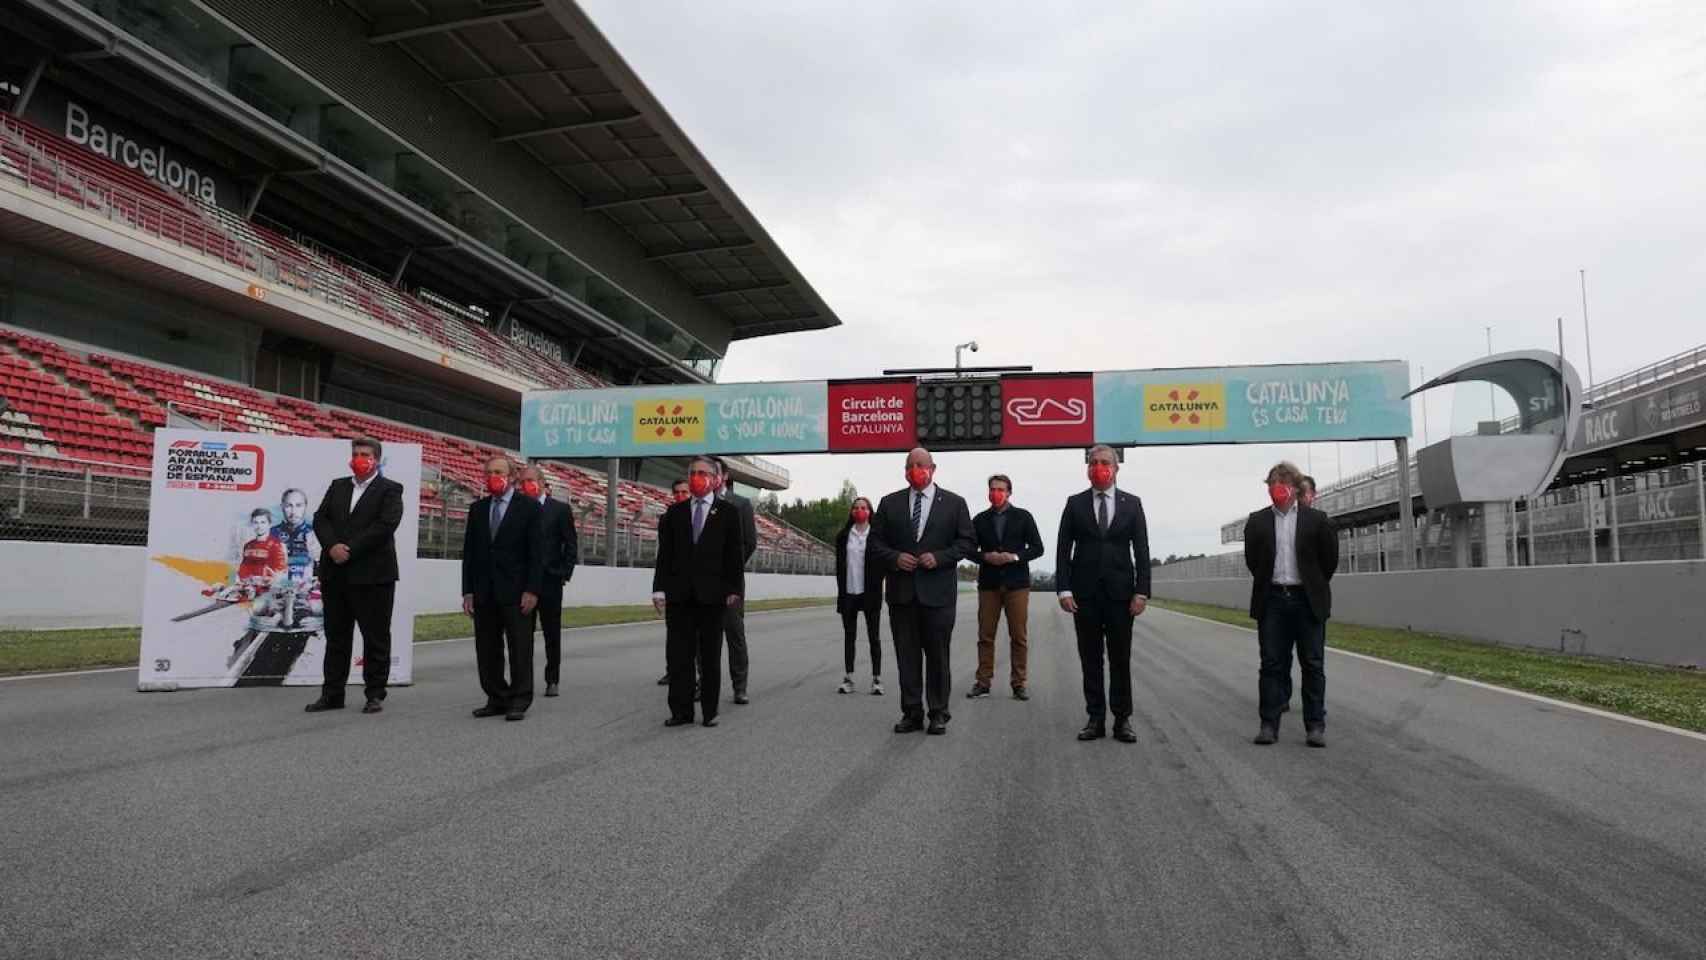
(369, 531)
(562, 545)
(1089, 563)
(1317, 558)
(706, 573)
(499, 570)
(748, 524)
(873, 572)
(1019, 536)
(947, 534)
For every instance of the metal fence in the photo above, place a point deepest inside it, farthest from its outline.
(55, 499)
(1653, 515)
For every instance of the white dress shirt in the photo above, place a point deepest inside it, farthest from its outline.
(856, 560)
(1285, 547)
(359, 487)
(1112, 493)
(929, 495)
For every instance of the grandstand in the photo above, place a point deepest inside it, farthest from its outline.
(194, 198)
(1632, 488)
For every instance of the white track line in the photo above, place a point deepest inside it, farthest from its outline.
(1563, 704)
(423, 643)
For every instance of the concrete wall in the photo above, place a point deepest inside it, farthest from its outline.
(1654, 612)
(47, 585)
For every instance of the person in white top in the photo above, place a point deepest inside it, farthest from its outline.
(859, 583)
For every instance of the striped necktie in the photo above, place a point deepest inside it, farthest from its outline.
(917, 513)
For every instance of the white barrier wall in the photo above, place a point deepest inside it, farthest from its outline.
(1654, 612)
(52, 585)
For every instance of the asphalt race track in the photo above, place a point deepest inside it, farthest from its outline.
(1444, 820)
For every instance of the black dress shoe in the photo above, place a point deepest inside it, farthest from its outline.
(323, 704)
(372, 706)
(550, 689)
(936, 728)
(741, 698)
(1092, 731)
(1315, 736)
(909, 725)
(663, 681)
(678, 721)
(1267, 736)
(1123, 732)
(709, 722)
(1020, 693)
(489, 711)
(516, 716)
(977, 692)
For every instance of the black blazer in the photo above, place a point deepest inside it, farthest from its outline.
(748, 524)
(1020, 536)
(562, 545)
(1090, 563)
(370, 531)
(1317, 558)
(498, 571)
(706, 573)
(873, 595)
(947, 534)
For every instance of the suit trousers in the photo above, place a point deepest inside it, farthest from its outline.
(694, 631)
(347, 607)
(870, 609)
(1016, 603)
(501, 630)
(1287, 623)
(551, 625)
(734, 631)
(1103, 625)
(921, 641)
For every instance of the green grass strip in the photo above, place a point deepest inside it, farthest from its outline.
(36, 651)
(1668, 695)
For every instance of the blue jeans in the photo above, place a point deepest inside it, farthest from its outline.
(1287, 623)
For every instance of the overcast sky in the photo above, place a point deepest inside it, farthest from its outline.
(1119, 185)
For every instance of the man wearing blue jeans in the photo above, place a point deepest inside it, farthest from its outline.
(1292, 553)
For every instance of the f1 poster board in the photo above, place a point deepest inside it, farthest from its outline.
(232, 587)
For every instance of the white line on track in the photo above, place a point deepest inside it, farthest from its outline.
(1562, 704)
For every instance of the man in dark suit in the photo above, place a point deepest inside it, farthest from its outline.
(919, 536)
(1007, 542)
(562, 552)
(356, 527)
(503, 573)
(1292, 553)
(678, 493)
(1102, 577)
(698, 577)
(734, 618)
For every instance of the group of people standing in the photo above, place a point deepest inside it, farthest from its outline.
(906, 551)
(520, 550)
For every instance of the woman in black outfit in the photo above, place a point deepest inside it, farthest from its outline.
(858, 589)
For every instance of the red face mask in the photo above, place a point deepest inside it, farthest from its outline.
(362, 465)
(682, 496)
(1101, 475)
(496, 484)
(861, 515)
(1281, 494)
(919, 477)
(700, 484)
(531, 488)
(998, 498)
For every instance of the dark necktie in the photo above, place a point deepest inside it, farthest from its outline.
(698, 519)
(917, 512)
(1102, 511)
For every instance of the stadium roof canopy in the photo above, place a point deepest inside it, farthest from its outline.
(546, 79)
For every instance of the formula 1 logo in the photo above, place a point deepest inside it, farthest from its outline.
(215, 465)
